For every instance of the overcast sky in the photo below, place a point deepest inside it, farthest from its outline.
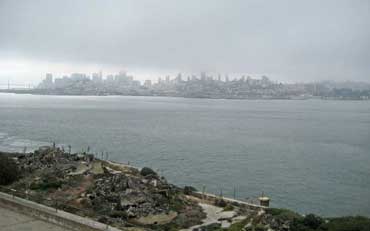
(292, 40)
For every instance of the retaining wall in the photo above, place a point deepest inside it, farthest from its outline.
(64, 219)
(211, 198)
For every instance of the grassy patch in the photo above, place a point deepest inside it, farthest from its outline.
(228, 207)
(239, 225)
(283, 214)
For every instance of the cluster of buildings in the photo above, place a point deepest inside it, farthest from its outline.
(122, 79)
(203, 85)
(80, 78)
(194, 86)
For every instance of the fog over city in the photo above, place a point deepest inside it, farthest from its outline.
(292, 41)
(185, 115)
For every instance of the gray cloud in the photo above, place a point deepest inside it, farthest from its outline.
(292, 40)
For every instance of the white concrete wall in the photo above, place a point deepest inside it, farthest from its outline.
(51, 215)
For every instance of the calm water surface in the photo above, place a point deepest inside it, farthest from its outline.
(310, 156)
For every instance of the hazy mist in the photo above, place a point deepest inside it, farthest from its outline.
(286, 40)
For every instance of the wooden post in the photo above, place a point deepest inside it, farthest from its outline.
(203, 192)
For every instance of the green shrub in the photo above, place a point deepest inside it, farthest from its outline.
(220, 203)
(189, 189)
(51, 183)
(147, 172)
(8, 170)
(312, 221)
(357, 223)
(259, 227)
(283, 214)
(119, 214)
(229, 207)
(238, 225)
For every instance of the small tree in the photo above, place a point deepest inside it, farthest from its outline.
(8, 170)
(312, 221)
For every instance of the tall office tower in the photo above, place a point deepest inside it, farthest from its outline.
(203, 76)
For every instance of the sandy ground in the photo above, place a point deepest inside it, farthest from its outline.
(12, 221)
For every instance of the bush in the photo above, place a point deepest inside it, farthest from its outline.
(8, 170)
(240, 225)
(312, 221)
(259, 227)
(229, 207)
(147, 172)
(283, 214)
(189, 189)
(348, 224)
(45, 185)
(220, 203)
(119, 214)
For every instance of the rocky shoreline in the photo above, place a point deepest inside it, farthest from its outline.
(130, 198)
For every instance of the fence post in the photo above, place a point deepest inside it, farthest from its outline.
(12, 192)
(203, 192)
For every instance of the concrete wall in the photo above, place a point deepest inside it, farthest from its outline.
(211, 198)
(51, 215)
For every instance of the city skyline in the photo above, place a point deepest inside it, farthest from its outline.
(142, 78)
(201, 85)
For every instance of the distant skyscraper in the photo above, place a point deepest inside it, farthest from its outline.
(48, 82)
(167, 79)
(49, 78)
(148, 83)
(97, 77)
(121, 77)
(203, 76)
(78, 76)
(179, 78)
(249, 80)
